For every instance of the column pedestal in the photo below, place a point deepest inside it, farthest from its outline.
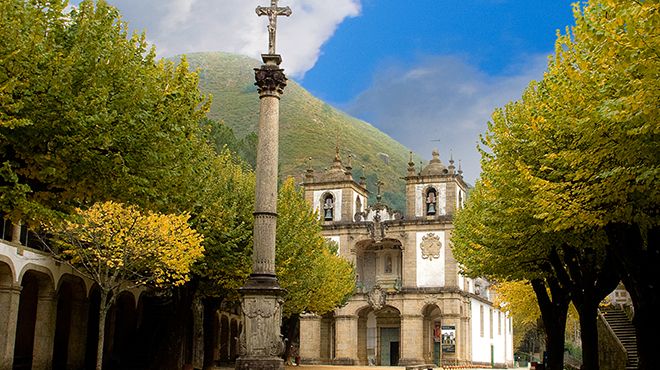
(260, 343)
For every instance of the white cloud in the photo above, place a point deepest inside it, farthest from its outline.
(182, 26)
(441, 102)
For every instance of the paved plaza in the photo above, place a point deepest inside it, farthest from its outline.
(332, 367)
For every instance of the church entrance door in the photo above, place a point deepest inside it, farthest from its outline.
(389, 346)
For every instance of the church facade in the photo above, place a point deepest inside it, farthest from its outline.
(411, 305)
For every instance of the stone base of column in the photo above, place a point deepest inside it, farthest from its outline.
(310, 361)
(411, 361)
(247, 363)
(344, 361)
(260, 342)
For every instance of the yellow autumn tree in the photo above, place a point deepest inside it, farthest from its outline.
(120, 247)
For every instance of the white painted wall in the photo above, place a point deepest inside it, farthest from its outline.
(501, 341)
(430, 272)
(420, 199)
(336, 216)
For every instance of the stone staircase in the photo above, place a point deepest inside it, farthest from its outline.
(624, 330)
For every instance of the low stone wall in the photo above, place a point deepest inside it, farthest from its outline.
(611, 354)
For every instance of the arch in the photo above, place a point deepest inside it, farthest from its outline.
(33, 344)
(225, 339)
(41, 270)
(233, 349)
(328, 206)
(379, 335)
(430, 196)
(328, 337)
(432, 333)
(7, 271)
(379, 264)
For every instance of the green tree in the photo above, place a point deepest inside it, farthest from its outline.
(316, 279)
(87, 114)
(119, 248)
(597, 135)
(583, 147)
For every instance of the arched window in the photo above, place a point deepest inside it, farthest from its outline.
(431, 201)
(328, 207)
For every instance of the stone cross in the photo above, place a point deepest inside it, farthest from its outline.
(273, 11)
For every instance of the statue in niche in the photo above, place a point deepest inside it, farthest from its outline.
(431, 202)
(328, 208)
(388, 264)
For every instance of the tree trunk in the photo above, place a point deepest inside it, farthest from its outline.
(198, 333)
(553, 313)
(103, 312)
(211, 307)
(589, 335)
(638, 258)
(590, 276)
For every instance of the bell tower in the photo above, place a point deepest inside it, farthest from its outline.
(333, 193)
(435, 191)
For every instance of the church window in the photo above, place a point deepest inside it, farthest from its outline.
(460, 199)
(431, 201)
(328, 207)
(481, 321)
(388, 264)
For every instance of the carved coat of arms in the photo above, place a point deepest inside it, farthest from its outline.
(430, 246)
(376, 298)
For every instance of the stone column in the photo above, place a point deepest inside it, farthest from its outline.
(9, 299)
(310, 339)
(346, 344)
(260, 343)
(412, 340)
(44, 331)
(78, 334)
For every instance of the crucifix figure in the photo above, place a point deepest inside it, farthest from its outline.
(273, 11)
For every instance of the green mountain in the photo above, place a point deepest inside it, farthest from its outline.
(308, 126)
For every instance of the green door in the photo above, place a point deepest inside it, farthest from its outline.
(436, 353)
(388, 336)
(492, 356)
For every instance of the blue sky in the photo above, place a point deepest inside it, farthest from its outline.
(493, 35)
(429, 73)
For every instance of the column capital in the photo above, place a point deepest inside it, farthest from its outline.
(270, 80)
(16, 289)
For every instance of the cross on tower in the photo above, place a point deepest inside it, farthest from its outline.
(273, 11)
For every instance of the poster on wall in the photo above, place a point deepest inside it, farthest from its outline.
(448, 338)
(437, 333)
